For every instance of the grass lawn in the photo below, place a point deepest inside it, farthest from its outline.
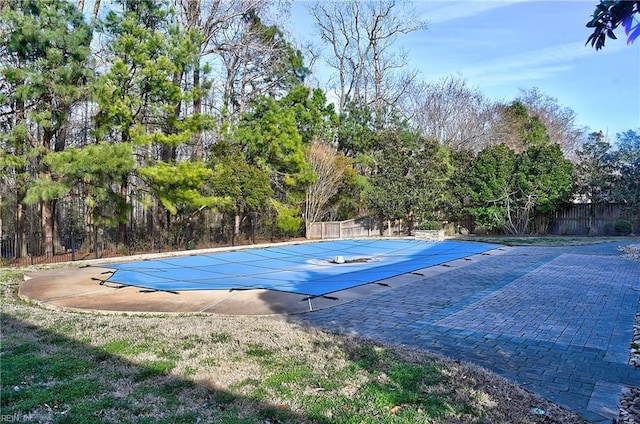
(70, 367)
(549, 240)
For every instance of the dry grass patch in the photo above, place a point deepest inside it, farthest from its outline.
(62, 366)
(546, 240)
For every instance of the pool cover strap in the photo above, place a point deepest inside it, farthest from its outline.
(307, 268)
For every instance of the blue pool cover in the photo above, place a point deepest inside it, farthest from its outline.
(306, 268)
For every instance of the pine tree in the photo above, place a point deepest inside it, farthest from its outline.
(140, 101)
(44, 46)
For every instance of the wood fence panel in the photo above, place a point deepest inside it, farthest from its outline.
(591, 219)
(355, 228)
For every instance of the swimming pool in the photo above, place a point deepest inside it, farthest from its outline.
(314, 269)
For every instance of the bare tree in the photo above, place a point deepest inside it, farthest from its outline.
(561, 122)
(96, 10)
(329, 170)
(361, 36)
(247, 56)
(252, 57)
(212, 20)
(450, 111)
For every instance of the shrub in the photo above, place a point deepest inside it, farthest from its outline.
(430, 225)
(481, 230)
(451, 229)
(623, 227)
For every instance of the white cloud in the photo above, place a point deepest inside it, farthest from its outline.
(532, 65)
(462, 9)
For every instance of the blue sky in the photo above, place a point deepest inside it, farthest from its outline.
(501, 47)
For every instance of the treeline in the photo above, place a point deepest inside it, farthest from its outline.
(146, 117)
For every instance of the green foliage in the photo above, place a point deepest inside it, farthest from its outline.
(508, 188)
(457, 194)
(268, 139)
(44, 69)
(491, 185)
(91, 172)
(609, 173)
(141, 145)
(46, 48)
(429, 225)
(179, 186)
(410, 177)
(137, 96)
(245, 187)
(544, 174)
(314, 118)
(349, 198)
(288, 218)
(527, 175)
(287, 63)
(524, 130)
(139, 103)
(596, 170)
(608, 15)
(623, 227)
(627, 155)
(356, 131)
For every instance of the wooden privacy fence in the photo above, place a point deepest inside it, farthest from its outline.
(352, 228)
(584, 219)
(592, 219)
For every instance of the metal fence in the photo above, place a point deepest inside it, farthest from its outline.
(36, 250)
(76, 237)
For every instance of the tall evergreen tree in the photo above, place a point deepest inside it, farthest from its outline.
(410, 177)
(141, 100)
(596, 170)
(508, 188)
(491, 184)
(627, 157)
(269, 139)
(44, 45)
(246, 189)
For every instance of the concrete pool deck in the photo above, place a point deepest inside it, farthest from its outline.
(556, 320)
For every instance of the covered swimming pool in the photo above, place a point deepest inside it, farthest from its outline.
(312, 269)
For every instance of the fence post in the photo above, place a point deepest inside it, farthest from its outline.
(95, 242)
(73, 245)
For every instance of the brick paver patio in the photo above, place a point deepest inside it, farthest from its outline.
(556, 320)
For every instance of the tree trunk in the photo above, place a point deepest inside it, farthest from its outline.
(21, 234)
(198, 151)
(122, 218)
(46, 206)
(1, 225)
(46, 220)
(236, 226)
